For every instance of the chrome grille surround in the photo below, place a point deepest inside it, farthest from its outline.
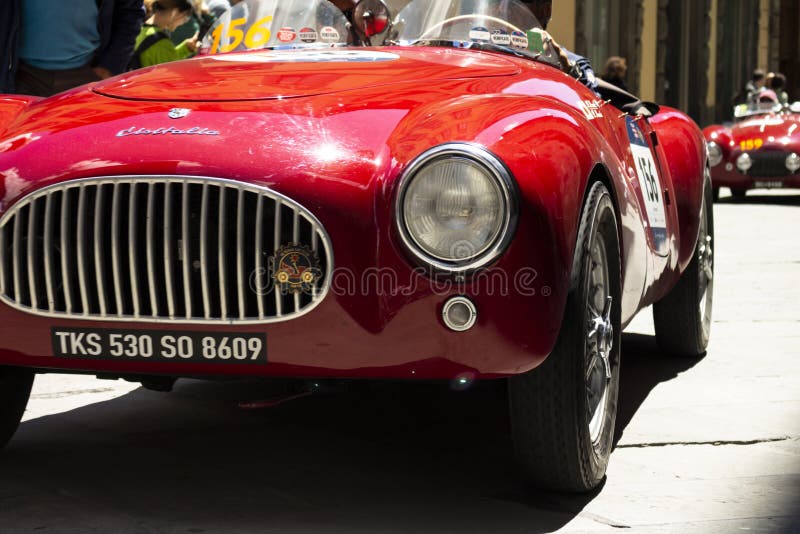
(113, 249)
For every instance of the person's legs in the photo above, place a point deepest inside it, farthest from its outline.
(40, 82)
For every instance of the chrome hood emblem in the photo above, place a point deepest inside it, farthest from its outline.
(179, 113)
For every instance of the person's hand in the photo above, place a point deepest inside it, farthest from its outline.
(191, 43)
(102, 72)
(566, 65)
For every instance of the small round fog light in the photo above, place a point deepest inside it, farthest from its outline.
(793, 163)
(745, 162)
(459, 314)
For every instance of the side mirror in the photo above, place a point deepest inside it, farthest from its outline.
(372, 19)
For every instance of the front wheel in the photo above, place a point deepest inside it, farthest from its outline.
(15, 389)
(563, 412)
(683, 318)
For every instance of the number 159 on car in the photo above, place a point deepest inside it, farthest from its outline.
(166, 346)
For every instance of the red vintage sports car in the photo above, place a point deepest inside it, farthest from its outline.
(761, 150)
(444, 204)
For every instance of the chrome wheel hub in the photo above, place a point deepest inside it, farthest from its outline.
(599, 340)
(705, 268)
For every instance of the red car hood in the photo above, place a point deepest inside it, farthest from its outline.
(298, 73)
(777, 127)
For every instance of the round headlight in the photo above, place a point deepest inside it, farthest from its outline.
(744, 162)
(793, 163)
(714, 154)
(455, 208)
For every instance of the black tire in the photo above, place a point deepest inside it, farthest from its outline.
(739, 193)
(716, 194)
(15, 389)
(683, 318)
(558, 442)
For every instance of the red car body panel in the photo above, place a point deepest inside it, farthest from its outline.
(770, 135)
(335, 137)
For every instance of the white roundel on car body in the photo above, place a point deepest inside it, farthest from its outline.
(649, 183)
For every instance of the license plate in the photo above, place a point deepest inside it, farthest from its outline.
(768, 185)
(157, 345)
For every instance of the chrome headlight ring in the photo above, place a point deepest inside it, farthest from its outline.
(506, 187)
(715, 155)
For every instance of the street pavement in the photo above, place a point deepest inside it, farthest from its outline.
(711, 445)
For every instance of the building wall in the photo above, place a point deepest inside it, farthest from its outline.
(562, 27)
(647, 74)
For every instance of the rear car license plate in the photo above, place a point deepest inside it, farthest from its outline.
(159, 345)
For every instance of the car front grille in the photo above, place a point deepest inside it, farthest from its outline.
(143, 248)
(769, 164)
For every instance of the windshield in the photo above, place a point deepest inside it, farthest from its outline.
(502, 23)
(495, 25)
(276, 24)
(744, 111)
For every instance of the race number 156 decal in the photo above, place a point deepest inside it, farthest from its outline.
(257, 36)
(647, 172)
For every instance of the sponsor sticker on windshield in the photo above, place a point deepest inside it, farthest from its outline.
(519, 39)
(287, 35)
(329, 34)
(501, 37)
(308, 35)
(480, 35)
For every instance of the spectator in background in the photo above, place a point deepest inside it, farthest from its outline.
(55, 45)
(615, 72)
(755, 85)
(198, 24)
(153, 45)
(777, 82)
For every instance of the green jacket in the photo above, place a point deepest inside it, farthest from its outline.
(163, 51)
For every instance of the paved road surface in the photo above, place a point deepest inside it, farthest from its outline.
(708, 446)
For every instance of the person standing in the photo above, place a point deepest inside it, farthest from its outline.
(59, 45)
(755, 86)
(615, 72)
(153, 44)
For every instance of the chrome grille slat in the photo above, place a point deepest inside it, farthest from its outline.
(151, 253)
(16, 259)
(81, 250)
(259, 289)
(168, 250)
(240, 275)
(296, 241)
(115, 251)
(204, 252)
(32, 255)
(160, 255)
(186, 257)
(64, 240)
(48, 245)
(223, 280)
(133, 243)
(277, 244)
(99, 260)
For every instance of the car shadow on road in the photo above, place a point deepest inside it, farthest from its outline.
(644, 366)
(388, 457)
